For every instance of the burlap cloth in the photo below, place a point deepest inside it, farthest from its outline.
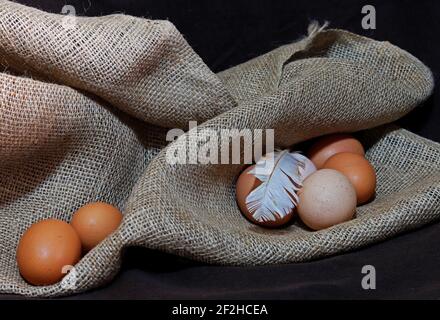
(84, 112)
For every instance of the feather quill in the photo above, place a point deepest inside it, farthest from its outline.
(281, 174)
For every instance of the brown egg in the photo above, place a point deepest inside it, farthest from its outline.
(245, 184)
(94, 222)
(358, 170)
(326, 198)
(45, 248)
(332, 144)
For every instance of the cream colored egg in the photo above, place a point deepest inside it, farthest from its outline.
(326, 198)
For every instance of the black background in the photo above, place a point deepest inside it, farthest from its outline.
(225, 33)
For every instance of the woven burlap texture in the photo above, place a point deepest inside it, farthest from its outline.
(84, 112)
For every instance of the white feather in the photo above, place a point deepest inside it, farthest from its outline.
(281, 174)
(308, 167)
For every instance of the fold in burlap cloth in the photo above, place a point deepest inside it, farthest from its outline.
(84, 112)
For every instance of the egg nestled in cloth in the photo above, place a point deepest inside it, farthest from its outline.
(267, 191)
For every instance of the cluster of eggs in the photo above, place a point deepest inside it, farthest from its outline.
(343, 179)
(49, 246)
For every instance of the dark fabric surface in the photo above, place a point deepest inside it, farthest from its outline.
(225, 33)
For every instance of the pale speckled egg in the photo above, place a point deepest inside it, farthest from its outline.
(326, 198)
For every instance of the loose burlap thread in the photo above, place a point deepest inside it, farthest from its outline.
(84, 114)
